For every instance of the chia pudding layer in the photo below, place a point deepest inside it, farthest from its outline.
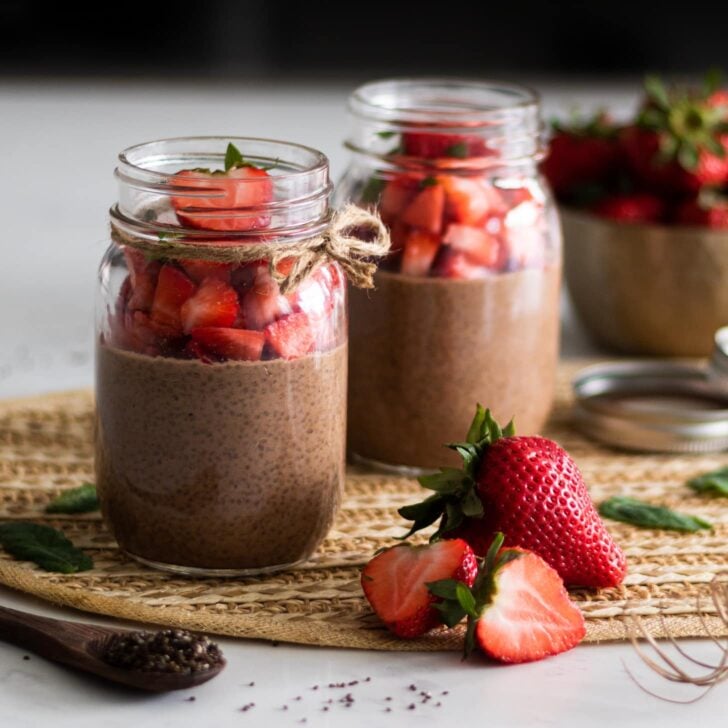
(232, 466)
(425, 350)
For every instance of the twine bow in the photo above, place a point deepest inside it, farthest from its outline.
(353, 238)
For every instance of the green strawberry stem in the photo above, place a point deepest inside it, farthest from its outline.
(459, 600)
(455, 495)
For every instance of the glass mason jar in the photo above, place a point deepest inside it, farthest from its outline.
(466, 308)
(221, 402)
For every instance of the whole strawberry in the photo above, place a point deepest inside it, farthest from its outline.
(581, 154)
(709, 209)
(531, 490)
(679, 142)
(638, 207)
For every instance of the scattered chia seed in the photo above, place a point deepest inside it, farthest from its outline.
(367, 679)
(354, 682)
(445, 692)
(325, 708)
(411, 706)
(315, 687)
(387, 710)
(169, 650)
(388, 698)
(191, 699)
(413, 687)
(26, 657)
(438, 705)
(285, 707)
(251, 684)
(247, 707)
(298, 697)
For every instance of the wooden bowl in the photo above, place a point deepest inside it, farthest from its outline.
(647, 289)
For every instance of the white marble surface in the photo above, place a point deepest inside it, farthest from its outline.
(58, 146)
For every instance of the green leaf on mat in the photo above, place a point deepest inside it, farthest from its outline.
(713, 483)
(45, 546)
(76, 500)
(638, 513)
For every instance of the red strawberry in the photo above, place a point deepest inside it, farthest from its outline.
(680, 140)
(420, 249)
(425, 211)
(198, 270)
(173, 289)
(451, 264)
(640, 207)
(396, 195)
(531, 490)
(429, 145)
(291, 337)
(263, 303)
(395, 583)
(708, 210)
(470, 200)
(580, 154)
(226, 200)
(215, 303)
(143, 276)
(518, 609)
(479, 246)
(231, 343)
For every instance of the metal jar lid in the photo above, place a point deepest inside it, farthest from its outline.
(657, 406)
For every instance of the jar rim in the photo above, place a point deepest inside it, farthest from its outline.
(374, 100)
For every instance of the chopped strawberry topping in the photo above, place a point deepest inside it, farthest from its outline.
(291, 337)
(431, 145)
(419, 253)
(239, 344)
(173, 289)
(263, 303)
(214, 304)
(425, 211)
(143, 276)
(198, 270)
(480, 247)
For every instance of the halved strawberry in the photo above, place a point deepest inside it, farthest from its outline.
(432, 145)
(420, 249)
(395, 583)
(239, 344)
(229, 200)
(263, 303)
(173, 289)
(143, 276)
(452, 264)
(215, 303)
(425, 210)
(396, 195)
(198, 270)
(481, 247)
(291, 337)
(518, 608)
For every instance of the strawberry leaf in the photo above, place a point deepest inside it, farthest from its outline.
(466, 599)
(510, 429)
(448, 480)
(423, 514)
(444, 588)
(471, 505)
(656, 91)
(712, 81)
(475, 432)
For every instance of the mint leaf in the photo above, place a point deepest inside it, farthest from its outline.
(233, 157)
(386, 134)
(714, 483)
(428, 182)
(458, 150)
(372, 190)
(644, 515)
(76, 500)
(44, 546)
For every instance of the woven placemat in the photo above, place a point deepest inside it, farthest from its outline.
(46, 446)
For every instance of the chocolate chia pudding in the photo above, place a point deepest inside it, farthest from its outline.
(236, 465)
(424, 350)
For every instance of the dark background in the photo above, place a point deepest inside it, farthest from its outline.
(274, 40)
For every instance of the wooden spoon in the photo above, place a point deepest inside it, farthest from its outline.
(83, 645)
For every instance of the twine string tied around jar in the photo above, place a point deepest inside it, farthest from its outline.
(353, 238)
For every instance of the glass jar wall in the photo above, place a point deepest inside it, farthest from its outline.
(220, 401)
(466, 308)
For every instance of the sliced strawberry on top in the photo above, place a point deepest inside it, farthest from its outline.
(396, 195)
(518, 609)
(469, 200)
(420, 250)
(143, 276)
(228, 201)
(263, 302)
(395, 583)
(173, 289)
(198, 270)
(455, 265)
(291, 337)
(481, 247)
(239, 344)
(425, 210)
(431, 145)
(215, 303)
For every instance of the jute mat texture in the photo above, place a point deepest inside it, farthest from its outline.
(46, 446)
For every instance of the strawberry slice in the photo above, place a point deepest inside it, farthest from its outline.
(480, 247)
(291, 337)
(451, 264)
(234, 197)
(469, 200)
(395, 583)
(215, 303)
(263, 303)
(420, 249)
(198, 270)
(143, 276)
(396, 195)
(173, 289)
(436, 146)
(518, 608)
(238, 344)
(425, 211)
